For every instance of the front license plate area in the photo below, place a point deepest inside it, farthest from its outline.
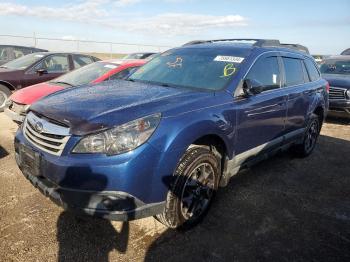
(30, 160)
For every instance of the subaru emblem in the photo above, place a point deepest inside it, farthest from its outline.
(39, 127)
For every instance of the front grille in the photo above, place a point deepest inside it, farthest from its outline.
(50, 137)
(337, 93)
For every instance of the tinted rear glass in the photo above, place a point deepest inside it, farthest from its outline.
(200, 68)
(294, 71)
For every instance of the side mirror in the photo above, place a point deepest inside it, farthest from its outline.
(252, 87)
(41, 71)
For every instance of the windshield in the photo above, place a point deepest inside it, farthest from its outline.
(23, 62)
(85, 74)
(137, 56)
(340, 67)
(199, 68)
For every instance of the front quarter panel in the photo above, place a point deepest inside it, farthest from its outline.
(175, 134)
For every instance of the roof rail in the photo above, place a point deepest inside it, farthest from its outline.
(296, 47)
(258, 43)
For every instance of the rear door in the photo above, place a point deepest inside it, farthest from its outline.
(261, 117)
(299, 89)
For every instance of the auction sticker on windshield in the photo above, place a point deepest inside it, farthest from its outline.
(232, 59)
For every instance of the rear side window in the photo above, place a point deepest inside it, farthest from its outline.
(294, 71)
(266, 72)
(312, 70)
(81, 60)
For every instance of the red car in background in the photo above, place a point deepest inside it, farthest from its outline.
(20, 101)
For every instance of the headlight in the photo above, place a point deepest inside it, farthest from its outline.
(120, 139)
(8, 102)
(348, 93)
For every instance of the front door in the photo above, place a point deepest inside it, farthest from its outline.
(261, 117)
(53, 66)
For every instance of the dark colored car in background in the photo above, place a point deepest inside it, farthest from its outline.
(138, 55)
(12, 52)
(20, 101)
(164, 140)
(336, 70)
(36, 68)
(346, 52)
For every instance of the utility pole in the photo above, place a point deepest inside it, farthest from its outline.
(34, 39)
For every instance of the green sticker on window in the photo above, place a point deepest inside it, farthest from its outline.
(229, 70)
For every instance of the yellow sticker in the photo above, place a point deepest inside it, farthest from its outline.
(177, 63)
(229, 70)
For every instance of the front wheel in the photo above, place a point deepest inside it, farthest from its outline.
(4, 95)
(195, 182)
(310, 137)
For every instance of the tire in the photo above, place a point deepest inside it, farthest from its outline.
(310, 137)
(190, 195)
(4, 95)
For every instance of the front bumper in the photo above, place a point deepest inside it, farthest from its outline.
(14, 116)
(339, 108)
(117, 206)
(116, 188)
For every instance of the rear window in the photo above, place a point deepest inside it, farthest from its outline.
(294, 71)
(312, 70)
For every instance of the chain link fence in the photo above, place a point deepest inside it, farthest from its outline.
(104, 50)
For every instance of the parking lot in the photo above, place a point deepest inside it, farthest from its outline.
(282, 209)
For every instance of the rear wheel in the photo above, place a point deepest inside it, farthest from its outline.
(310, 137)
(195, 182)
(4, 95)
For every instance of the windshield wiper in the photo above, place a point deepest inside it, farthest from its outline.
(3, 66)
(61, 82)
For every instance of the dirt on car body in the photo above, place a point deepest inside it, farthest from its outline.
(283, 209)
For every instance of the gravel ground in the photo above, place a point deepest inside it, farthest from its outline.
(283, 209)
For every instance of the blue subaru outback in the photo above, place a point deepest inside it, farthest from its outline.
(162, 142)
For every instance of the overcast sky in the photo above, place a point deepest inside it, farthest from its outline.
(323, 26)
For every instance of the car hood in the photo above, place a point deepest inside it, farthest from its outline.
(91, 108)
(338, 80)
(31, 94)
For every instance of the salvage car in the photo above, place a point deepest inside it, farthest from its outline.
(11, 52)
(163, 141)
(37, 68)
(19, 102)
(336, 70)
(346, 52)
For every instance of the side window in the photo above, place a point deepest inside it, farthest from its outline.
(266, 72)
(5, 53)
(312, 70)
(18, 52)
(123, 74)
(54, 64)
(306, 75)
(81, 60)
(294, 71)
